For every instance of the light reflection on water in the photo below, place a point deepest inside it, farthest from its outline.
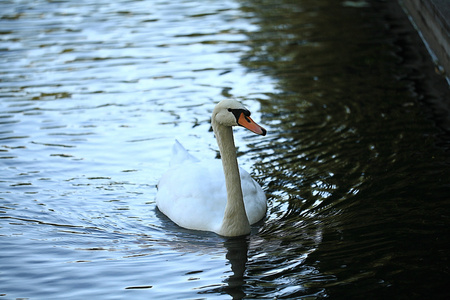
(93, 95)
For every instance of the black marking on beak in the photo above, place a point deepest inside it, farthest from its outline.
(237, 113)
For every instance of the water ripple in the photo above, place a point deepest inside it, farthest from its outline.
(93, 94)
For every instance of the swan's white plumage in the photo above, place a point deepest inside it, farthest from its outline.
(192, 193)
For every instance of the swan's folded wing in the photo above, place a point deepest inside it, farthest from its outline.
(180, 155)
(254, 198)
(193, 195)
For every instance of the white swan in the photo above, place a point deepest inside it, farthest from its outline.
(208, 195)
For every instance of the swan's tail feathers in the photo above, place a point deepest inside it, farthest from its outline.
(180, 154)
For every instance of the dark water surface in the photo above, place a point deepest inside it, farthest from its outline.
(355, 165)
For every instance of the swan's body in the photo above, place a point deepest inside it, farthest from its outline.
(209, 195)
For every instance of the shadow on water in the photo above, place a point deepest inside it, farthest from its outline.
(355, 165)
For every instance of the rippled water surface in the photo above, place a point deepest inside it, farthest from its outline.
(355, 165)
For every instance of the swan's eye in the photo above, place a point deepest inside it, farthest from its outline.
(229, 109)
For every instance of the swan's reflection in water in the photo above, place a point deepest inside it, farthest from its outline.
(267, 263)
(237, 255)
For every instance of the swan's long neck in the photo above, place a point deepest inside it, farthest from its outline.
(235, 221)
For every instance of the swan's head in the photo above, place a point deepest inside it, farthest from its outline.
(230, 112)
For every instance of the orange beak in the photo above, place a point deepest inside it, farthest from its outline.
(248, 123)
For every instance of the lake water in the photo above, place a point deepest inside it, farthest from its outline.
(355, 164)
